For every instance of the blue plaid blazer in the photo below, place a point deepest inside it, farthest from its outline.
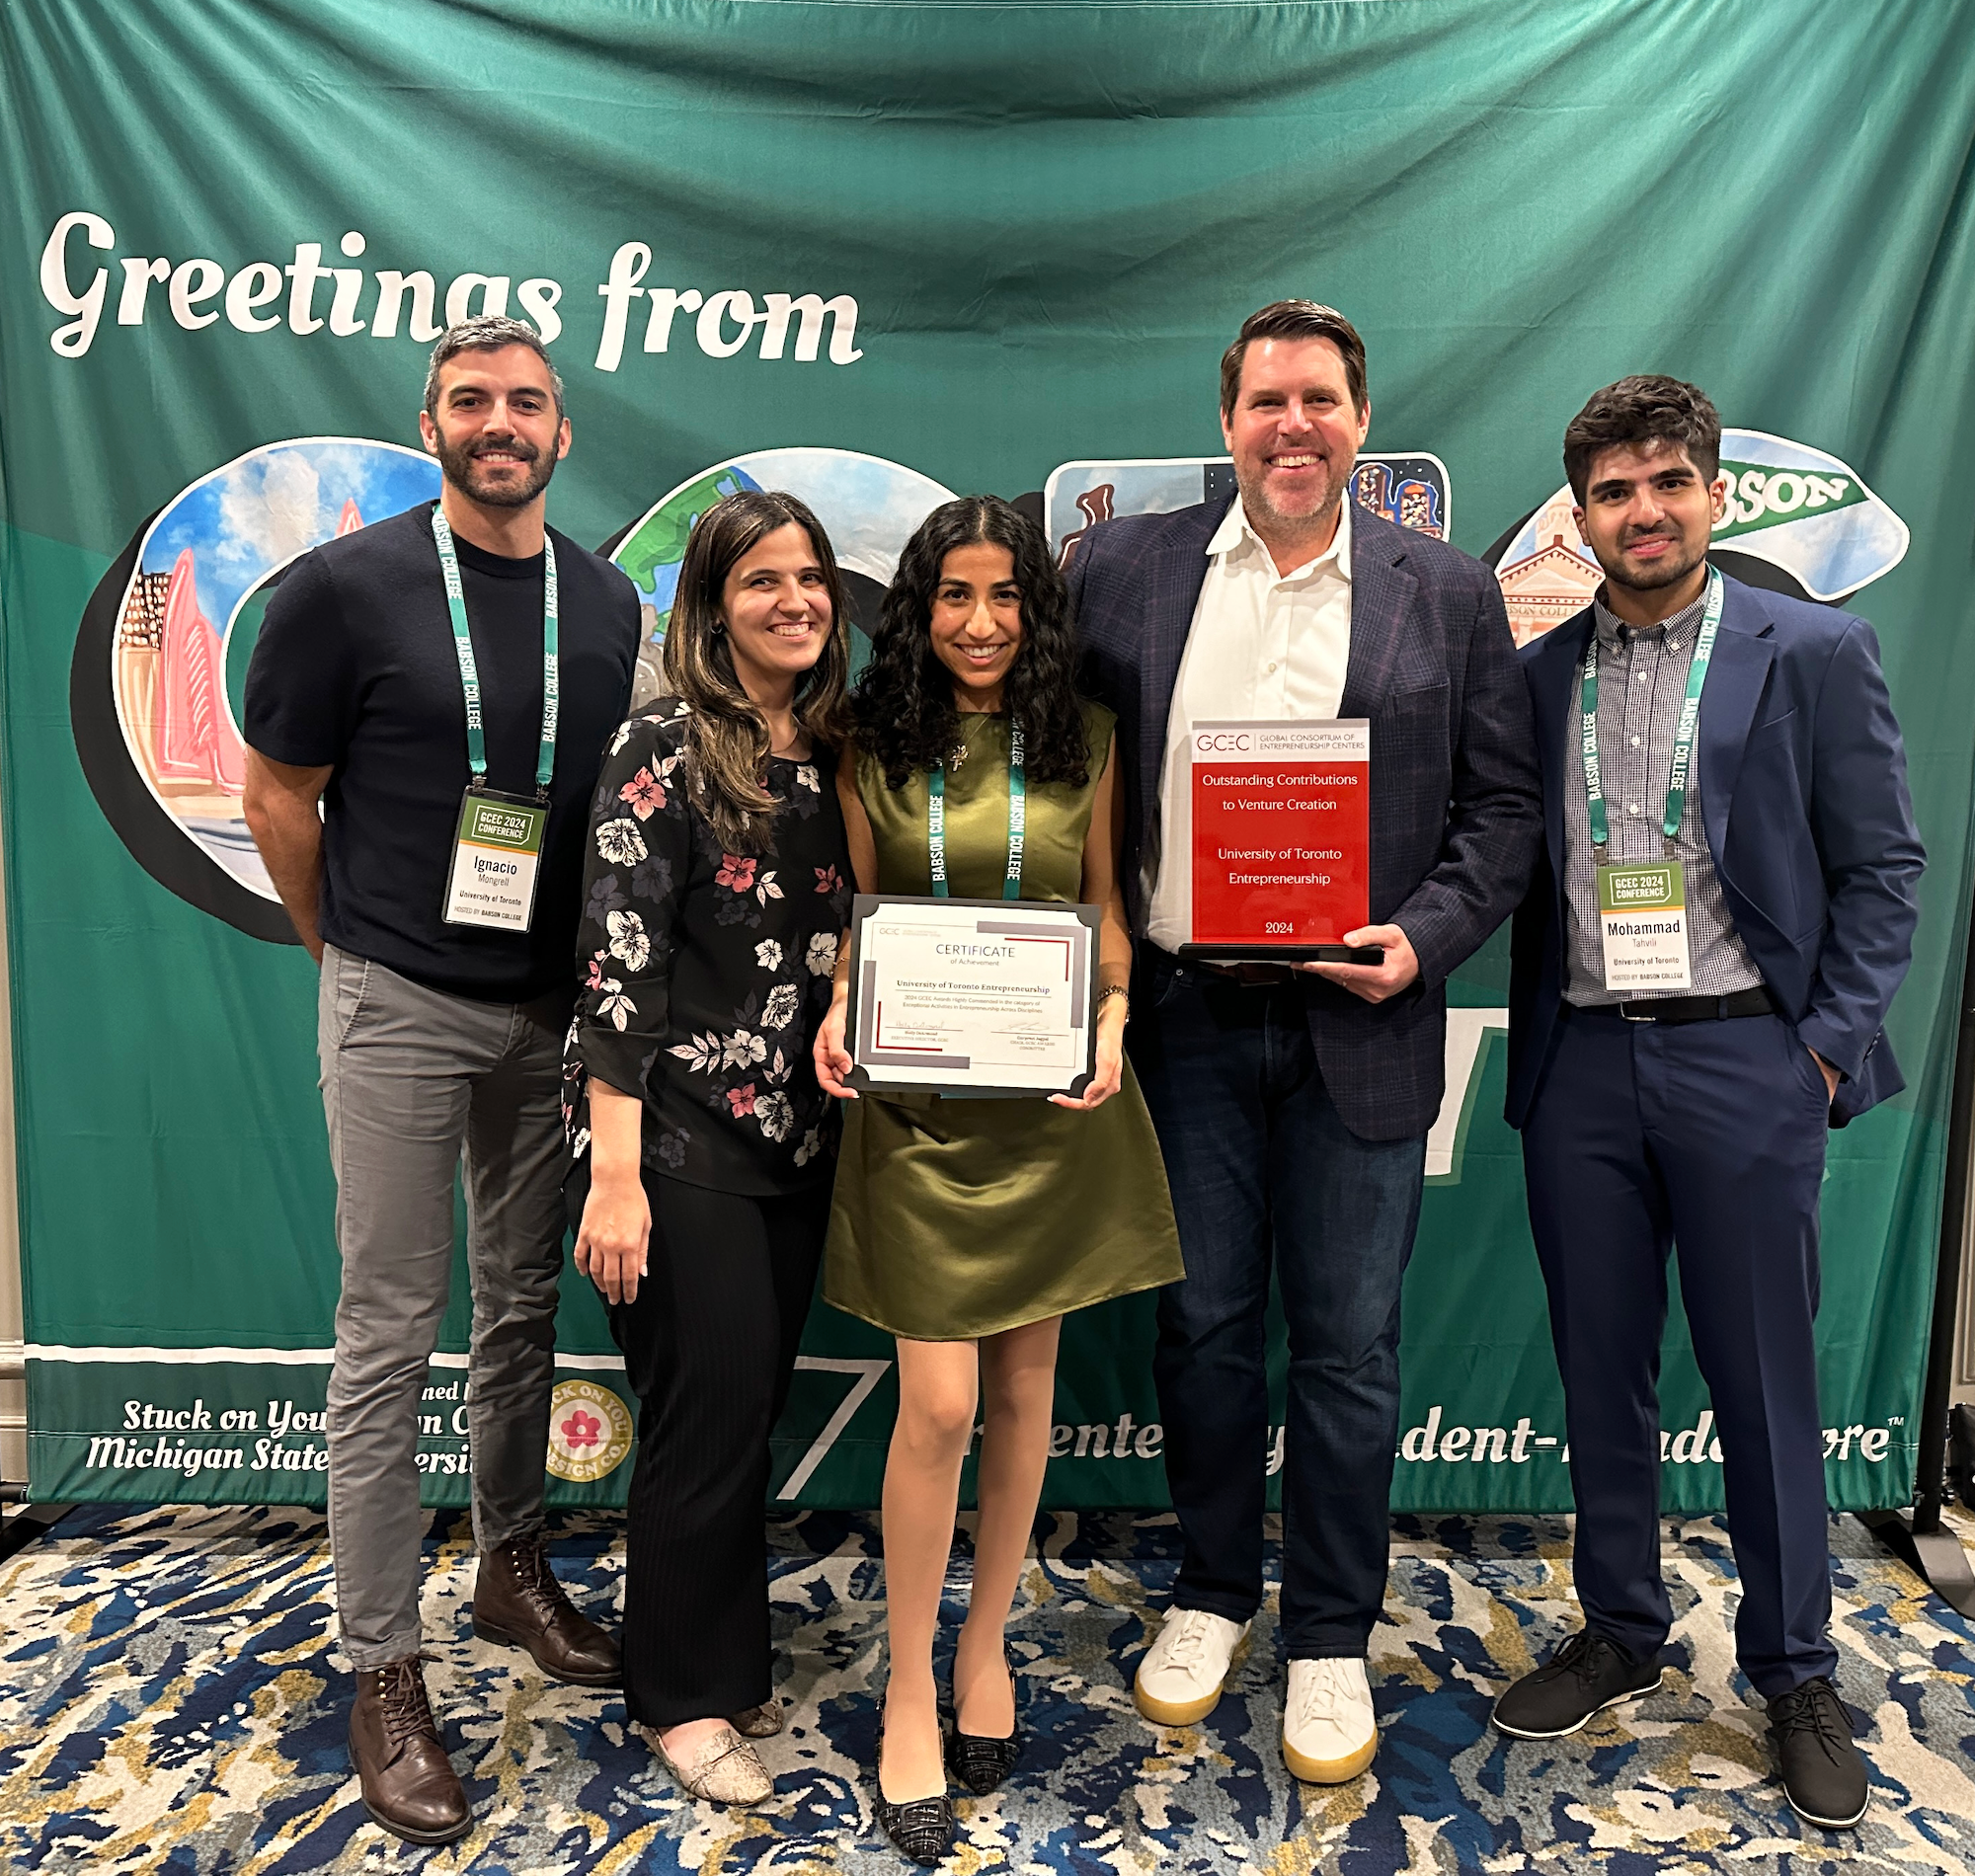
(1457, 817)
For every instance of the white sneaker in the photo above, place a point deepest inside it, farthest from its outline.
(1180, 1681)
(1329, 1731)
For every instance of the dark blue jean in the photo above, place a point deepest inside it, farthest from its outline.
(1264, 1174)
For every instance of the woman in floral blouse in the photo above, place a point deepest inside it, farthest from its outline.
(717, 884)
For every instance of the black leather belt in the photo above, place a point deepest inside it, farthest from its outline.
(1754, 1001)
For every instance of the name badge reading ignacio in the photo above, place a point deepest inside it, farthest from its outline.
(497, 845)
(1642, 918)
(495, 858)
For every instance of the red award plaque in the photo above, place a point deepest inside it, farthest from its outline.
(1282, 838)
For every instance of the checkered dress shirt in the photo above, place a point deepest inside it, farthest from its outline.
(1642, 685)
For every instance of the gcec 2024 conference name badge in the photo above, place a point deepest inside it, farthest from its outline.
(1642, 919)
(1281, 839)
(496, 854)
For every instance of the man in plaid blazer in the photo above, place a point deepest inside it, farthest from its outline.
(1293, 1104)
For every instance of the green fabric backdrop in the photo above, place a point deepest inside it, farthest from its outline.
(1050, 218)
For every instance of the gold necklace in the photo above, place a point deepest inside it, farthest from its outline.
(957, 754)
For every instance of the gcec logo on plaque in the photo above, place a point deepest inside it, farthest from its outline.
(1282, 837)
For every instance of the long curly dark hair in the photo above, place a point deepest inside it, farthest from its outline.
(903, 704)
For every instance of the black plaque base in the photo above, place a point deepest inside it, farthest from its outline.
(1285, 953)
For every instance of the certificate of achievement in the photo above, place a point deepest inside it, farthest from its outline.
(971, 995)
(1281, 839)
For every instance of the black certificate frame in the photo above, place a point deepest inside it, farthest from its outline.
(1004, 911)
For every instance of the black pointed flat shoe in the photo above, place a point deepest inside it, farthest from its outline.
(981, 1762)
(920, 1829)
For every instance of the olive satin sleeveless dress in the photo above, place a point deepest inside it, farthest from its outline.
(956, 1218)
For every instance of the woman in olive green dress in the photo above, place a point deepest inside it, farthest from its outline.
(969, 1227)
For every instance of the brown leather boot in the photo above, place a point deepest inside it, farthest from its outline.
(408, 1783)
(517, 1599)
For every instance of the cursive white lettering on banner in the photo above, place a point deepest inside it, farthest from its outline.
(410, 303)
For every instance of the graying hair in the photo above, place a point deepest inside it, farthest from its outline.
(491, 332)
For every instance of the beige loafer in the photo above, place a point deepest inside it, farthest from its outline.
(725, 1771)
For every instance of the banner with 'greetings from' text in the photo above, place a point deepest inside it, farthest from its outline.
(877, 256)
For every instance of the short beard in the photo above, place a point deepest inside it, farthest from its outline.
(457, 465)
(1661, 577)
(1267, 519)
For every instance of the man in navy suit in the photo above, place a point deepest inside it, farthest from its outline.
(1701, 970)
(1293, 1105)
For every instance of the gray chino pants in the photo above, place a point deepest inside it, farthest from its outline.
(411, 1079)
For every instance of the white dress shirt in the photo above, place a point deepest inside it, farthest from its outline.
(1263, 646)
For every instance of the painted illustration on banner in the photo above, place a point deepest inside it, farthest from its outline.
(1410, 489)
(189, 619)
(867, 505)
(1548, 574)
(160, 663)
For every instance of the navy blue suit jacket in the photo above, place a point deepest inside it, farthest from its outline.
(1803, 796)
(1455, 790)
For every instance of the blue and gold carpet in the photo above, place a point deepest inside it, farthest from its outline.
(171, 1701)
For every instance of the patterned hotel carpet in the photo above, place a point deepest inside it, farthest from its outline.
(170, 1701)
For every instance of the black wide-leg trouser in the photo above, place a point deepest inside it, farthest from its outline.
(709, 1345)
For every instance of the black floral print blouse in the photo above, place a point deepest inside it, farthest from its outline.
(706, 973)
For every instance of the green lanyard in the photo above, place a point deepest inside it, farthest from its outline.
(1018, 821)
(1684, 732)
(469, 671)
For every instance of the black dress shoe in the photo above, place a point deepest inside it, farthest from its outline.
(1588, 1674)
(980, 1760)
(1824, 1773)
(921, 1827)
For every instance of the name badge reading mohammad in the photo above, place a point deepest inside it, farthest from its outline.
(495, 858)
(1642, 919)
